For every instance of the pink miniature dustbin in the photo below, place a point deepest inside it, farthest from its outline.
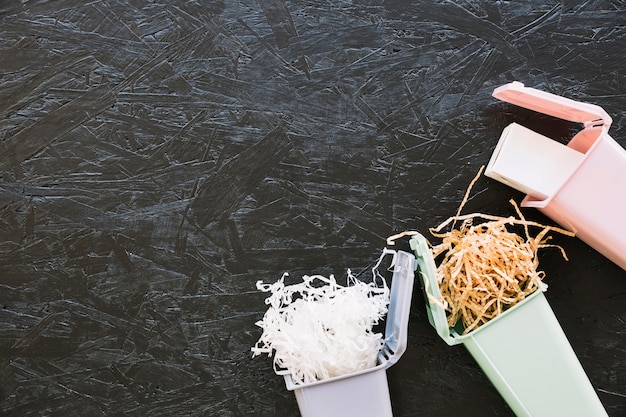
(581, 185)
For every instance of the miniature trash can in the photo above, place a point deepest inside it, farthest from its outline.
(579, 185)
(365, 393)
(523, 352)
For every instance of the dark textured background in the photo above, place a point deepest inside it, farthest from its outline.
(159, 159)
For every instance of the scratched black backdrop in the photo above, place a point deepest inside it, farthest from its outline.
(159, 159)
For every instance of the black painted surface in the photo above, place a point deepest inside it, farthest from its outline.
(158, 159)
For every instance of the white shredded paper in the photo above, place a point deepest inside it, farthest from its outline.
(320, 331)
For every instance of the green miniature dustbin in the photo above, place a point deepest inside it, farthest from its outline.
(524, 352)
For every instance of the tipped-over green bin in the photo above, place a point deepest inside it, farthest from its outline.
(523, 351)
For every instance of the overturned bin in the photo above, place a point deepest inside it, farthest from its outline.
(580, 185)
(365, 393)
(524, 351)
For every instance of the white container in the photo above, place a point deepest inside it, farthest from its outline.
(580, 186)
(532, 163)
(365, 393)
(523, 352)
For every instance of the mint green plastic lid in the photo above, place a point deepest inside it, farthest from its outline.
(434, 301)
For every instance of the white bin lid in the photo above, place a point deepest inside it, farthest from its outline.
(434, 301)
(397, 324)
(552, 105)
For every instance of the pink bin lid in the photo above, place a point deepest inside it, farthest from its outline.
(552, 105)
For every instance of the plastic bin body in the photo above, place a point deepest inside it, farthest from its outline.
(524, 352)
(592, 201)
(362, 394)
(526, 355)
(365, 393)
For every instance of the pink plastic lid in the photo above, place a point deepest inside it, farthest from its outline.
(552, 105)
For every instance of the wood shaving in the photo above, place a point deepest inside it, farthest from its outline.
(485, 268)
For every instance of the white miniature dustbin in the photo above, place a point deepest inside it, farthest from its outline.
(579, 185)
(523, 352)
(365, 393)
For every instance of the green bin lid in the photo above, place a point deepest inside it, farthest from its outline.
(434, 301)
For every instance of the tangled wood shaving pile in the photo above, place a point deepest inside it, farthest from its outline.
(485, 268)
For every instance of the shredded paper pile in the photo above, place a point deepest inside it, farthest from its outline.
(319, 329)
